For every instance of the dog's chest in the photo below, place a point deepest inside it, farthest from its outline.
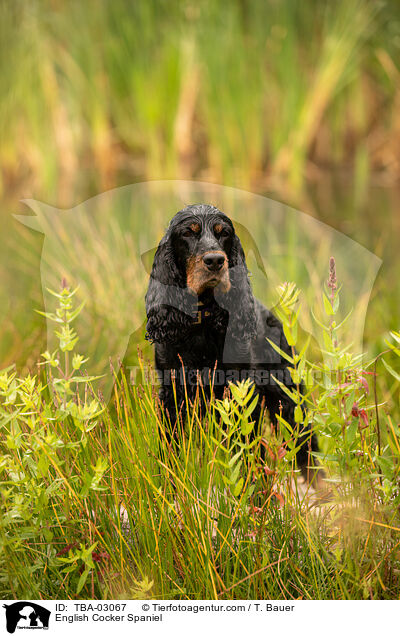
(204, 346)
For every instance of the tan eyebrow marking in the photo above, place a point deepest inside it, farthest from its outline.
(195, 227)
(218, 228)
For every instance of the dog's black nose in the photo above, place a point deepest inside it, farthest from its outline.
(214, 261)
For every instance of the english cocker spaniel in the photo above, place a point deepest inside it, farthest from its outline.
(208, 327)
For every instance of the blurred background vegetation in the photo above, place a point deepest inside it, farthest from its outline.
(299, 100)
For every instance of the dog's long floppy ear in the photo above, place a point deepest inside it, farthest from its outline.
(244, 317)
(240, 304)
(169, 305)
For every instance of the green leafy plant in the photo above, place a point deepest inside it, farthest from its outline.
(45, 425)
(234, 450)
(97, 501)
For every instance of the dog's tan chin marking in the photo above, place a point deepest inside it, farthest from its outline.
(222, 286)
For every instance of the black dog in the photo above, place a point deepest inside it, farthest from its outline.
(205, 322)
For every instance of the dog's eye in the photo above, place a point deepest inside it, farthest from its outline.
(187, 233)
(221, 231)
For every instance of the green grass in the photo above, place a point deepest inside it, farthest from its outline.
(99, 503)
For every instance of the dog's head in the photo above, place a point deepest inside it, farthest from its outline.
(200, 256)
(202, 239)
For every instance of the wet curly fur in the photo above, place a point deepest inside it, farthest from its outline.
(203, 319)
